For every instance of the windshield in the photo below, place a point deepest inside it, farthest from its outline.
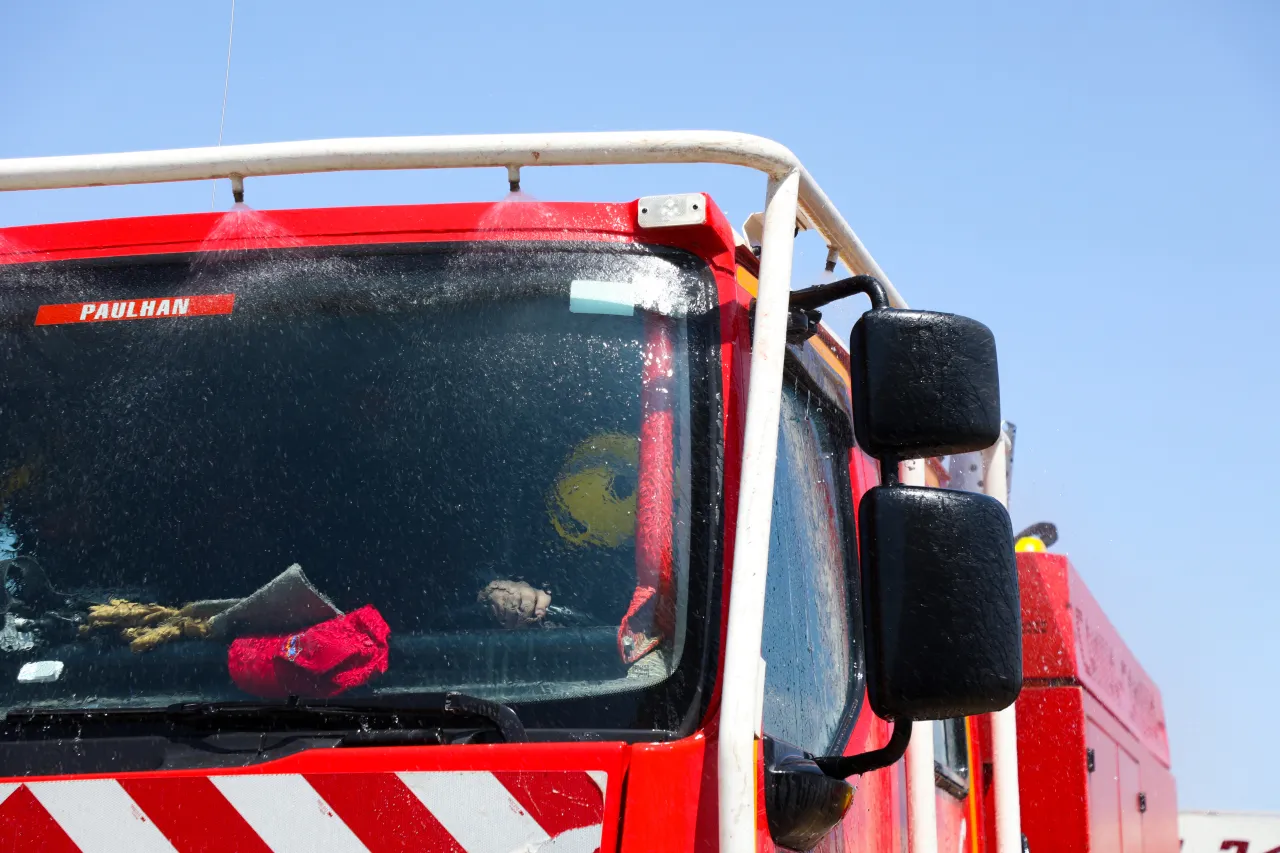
(320, 473)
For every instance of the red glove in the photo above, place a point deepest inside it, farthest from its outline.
(320, 662)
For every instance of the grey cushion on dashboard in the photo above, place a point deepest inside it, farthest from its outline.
(287, 603)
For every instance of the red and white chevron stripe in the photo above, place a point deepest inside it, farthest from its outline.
(451, 811)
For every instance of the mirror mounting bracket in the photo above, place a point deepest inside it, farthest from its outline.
(813, 298)
(844, 766)
(803, 315)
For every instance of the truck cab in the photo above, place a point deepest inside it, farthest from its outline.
(439, 527)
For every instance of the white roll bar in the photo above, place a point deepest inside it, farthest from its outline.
(448, 152)
(791, 191)
(1004, 724)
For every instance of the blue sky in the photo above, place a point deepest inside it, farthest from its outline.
(1100, 184)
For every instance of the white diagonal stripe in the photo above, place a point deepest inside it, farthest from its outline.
(601, 778)
(8, 788)
(100, 817)
(584, 839)
(288, 814)
(477, 810)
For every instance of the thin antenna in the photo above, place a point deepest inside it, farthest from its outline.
(226, 86)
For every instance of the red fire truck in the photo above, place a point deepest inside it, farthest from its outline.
(511, 526)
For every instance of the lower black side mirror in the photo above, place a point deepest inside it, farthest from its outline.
(943, 623)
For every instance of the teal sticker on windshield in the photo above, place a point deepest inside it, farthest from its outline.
(602, 297)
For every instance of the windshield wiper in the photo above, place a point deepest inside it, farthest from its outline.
(404, 713)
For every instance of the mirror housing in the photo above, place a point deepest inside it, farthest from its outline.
(924, 384)
(943, 625)
(801, 802)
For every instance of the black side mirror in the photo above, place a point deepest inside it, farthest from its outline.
(924, 384)
(940, 583)
(942, 625)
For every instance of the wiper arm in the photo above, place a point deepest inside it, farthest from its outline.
(394, 713)
(502, 716)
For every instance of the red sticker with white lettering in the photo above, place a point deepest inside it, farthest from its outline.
(135, 309)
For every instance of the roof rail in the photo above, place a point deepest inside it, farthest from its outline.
(449, 152)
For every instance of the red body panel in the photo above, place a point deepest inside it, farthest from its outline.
(657, 821)
(1051, 768)
(1065, 634)
(1085, 691)
(196, 232)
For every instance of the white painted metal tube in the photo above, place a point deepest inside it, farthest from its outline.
(922, 798)
(741, 684)
(448, 152)
(1004, 740)
(1004, 724)
(832, 226)
(398, 152)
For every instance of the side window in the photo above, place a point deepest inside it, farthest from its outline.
(951, 756)
(809, 658)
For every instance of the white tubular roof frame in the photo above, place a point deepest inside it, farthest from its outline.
(447, 152)
(791, 191)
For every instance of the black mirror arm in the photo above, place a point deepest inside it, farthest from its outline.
(803, 315)
(844, 766)
(812, 298)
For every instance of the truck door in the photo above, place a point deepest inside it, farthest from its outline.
(813, 672)
(1104, 798)
(1130, 815)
